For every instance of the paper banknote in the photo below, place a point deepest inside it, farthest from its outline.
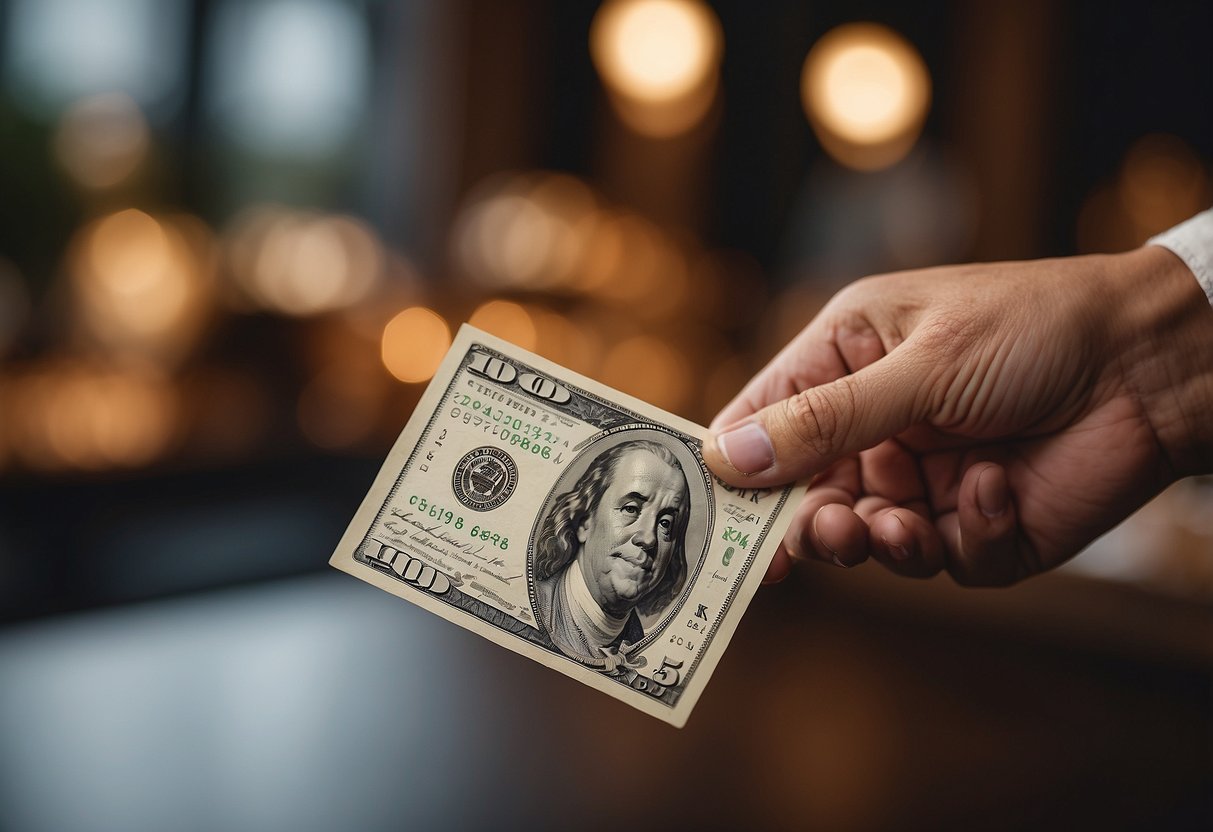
(568, 522)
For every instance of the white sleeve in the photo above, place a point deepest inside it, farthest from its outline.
(1192, 242)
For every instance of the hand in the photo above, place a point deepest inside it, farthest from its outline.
(990, 420)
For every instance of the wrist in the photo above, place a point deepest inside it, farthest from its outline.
(1162, 328)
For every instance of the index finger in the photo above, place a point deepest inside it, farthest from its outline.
(810, 359)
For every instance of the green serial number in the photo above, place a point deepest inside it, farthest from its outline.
(506, 419)
(509, 437)
(450, 518)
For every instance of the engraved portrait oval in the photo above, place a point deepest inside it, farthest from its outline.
(619, 542)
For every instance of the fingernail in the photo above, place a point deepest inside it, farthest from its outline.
(991, 493)
(829, 548)
(747, 448)
(898, 551)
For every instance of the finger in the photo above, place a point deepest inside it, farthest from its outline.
(801, 435)
(859, 344)
(839, 535)
(985, 548)
(906, 543)
(798, 540)
(944, 471)
(889, 470)
(808, 360)
(766, 387)
(779, 568)
(825, 528)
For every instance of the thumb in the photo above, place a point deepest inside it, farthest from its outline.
(802, 435)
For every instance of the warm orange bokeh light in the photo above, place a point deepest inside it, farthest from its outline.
(1161, 182)
(302, 264)
(624, 257)
(573, 344)
(507, 320)
(659, 60)
(134, 266)
(524, 231)
(69, 417)
(414, 343)
(866, 91)
(654, 50)
(649, 369)
(142, 285)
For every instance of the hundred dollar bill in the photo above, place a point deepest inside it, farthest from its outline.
(567, 521)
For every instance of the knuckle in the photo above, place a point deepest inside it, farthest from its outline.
(956, 329)
(815, 418)
(948, 335)
(856, 290)
(859, 293)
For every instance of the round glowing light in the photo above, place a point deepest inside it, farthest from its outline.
(571, 207)
(504, 240)
(102, 139)
(654, 50)
(142, 286)
(1162, 182)
(866, 91)
(634, 251)
(649, 369)
(129, 255)
(414, 343)
(524, 230)
(400, 286)
(659, 60)
(78, 418)
(575, 345)
(506, 320)
(606, 253)
(301, 264)
(517, 231)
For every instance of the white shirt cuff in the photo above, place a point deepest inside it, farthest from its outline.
(1192, 242)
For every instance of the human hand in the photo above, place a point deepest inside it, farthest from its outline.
(990, 420)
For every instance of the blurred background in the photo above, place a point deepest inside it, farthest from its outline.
(236, 237)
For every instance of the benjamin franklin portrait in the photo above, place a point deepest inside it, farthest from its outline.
(611, 551)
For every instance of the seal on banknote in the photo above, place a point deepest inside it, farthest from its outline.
(484, 478)
(611, 550)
